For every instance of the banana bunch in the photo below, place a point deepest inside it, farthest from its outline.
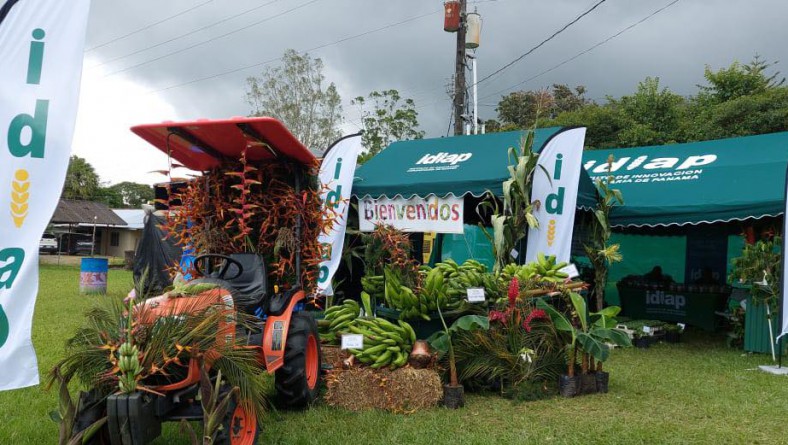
(523, 273)
(402, 298)
(459, 278)
(548, 269)
(385, 343)
(129, 365)
(373, 285)
(336, 318)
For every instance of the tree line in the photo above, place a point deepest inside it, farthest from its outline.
(740, 100)
(83, 183)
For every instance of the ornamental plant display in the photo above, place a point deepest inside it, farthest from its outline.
(244, 208)
(115, 353)
(520, 354)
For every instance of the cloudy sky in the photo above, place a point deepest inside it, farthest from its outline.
(148, 61)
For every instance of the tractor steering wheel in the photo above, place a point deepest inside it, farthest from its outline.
(224, 267)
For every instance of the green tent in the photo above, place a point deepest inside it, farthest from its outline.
(684, 188)
(469, 165)
(701, 182)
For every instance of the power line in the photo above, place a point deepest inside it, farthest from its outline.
(146, 27)
(588, 11)
(226, 19)
(235, 70)
(212, 39)
(587, 50)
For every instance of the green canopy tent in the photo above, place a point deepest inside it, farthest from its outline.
(397, 171)
(701, 182)
(685, 205)
(459, 166)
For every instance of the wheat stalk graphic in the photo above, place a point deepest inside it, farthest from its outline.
(20, 197)
(551, 232)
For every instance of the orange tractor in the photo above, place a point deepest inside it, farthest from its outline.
(284, 336)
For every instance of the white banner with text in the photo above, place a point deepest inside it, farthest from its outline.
(336, 176)
(41, 49)
(416, 214)
(555, 186)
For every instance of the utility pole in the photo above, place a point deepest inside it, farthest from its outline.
(459, 75)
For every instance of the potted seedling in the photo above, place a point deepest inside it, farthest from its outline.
(454, 393)
(589, 338)
(604, 329)
(673, 332)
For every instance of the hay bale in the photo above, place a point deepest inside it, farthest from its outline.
(333, 356)
(405, 390)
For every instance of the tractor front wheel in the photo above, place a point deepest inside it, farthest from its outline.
(298, 380)
(92, 408)
(239, 426)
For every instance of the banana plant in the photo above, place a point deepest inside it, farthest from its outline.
(589, 334)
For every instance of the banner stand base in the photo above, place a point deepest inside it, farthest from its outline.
(774, 369)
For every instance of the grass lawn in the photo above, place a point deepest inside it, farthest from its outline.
(695, 392)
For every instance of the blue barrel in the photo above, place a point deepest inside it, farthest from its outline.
(93, 276)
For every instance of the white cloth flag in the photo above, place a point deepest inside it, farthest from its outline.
(336, 174)
(784, 303)
(41, 46)
(561, 159)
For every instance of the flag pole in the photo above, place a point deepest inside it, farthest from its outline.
(781, 302)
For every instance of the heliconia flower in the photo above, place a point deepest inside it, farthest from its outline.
(514, 291)
(497, 316)
(536, 314)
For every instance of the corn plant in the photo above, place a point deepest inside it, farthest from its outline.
(511, 223)
(599, 250)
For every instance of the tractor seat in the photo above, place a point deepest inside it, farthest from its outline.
(251, 287)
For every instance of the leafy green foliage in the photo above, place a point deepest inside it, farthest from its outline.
(127, 195)
(390, 119)
(511, 223)
(296, 93)
(82, 181)
(598, 249)
(760, 263)
(740, 100)
(521, 109)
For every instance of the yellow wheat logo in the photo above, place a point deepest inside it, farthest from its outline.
(19, 197)
(551, 232)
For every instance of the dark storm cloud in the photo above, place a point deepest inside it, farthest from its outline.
(417, 57)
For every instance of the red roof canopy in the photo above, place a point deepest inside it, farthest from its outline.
(203, 144)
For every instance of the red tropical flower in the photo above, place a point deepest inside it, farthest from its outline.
(497, 316)
(536, 314)
(514, 291)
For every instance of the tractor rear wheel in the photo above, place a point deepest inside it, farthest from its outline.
(298, 380)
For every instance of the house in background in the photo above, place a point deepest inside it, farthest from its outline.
(121, 239)
(116, 230)
(73, 224)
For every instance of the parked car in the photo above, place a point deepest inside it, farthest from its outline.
(82, 247)
(48, 244)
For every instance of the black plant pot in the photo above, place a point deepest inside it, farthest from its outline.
(642, 342)
(453, 396)
(673, 337)
(587, 384)
(569, 386)
(602, 378)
